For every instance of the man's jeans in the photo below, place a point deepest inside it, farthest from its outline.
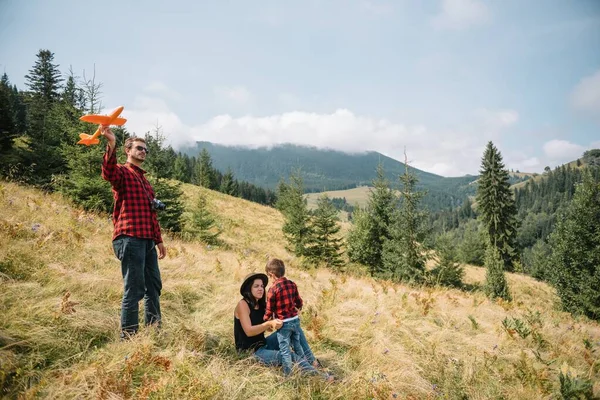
(141, 280)
(271, 356)
(291, 335)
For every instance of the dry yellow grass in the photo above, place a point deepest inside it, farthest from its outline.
(356, 196)
(383, 340)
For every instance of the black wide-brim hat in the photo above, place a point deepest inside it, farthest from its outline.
(251, 277)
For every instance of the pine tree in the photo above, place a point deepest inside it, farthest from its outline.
(366, 247)
(282, 198)
(358, 246)
(7, 123)
(496, 205)
(44, 82)
(170, 193)
(536, 259)
(201, 224)
(182, 168)
(402, 254)
(83, 183)
(495, 281)
(575, 243)
(47, 126)
(447, 272)
(19, 111)
(326, 245)
(161, 159)
(228, 184)
(205, 174)
(471, 248)
(292, 205)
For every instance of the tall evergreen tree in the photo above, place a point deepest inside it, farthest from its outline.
(403, 255)
(495, 280)
(182, 168)
(228, 184)
(366, 247)
(358, 246)
(575, 261)
(19, 111)
(496, 205)
(44, 82)
(326, 245)
(161, 160)
(8, 130)
(159, 164)
(205, 174)
(536, 260)
(292, 205)
(47, 126)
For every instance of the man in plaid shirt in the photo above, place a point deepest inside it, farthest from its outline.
(283, 302)
(136, 232)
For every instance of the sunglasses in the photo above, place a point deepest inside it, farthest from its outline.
(141, 148)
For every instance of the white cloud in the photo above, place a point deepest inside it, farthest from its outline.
(446, 152)
(149, 112)
(235, 95)
(562, 151)
(520, 161)
(586, 95)
(442, 152)
(461, 14)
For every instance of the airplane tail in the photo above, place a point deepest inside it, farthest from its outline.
(88, 140)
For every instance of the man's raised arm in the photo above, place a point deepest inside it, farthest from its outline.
(110, 171)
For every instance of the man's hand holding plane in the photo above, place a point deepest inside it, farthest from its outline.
(105, 121)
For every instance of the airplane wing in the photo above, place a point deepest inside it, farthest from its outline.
(119, 121)
(96, 119)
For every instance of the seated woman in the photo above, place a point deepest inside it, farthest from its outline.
(249, 328)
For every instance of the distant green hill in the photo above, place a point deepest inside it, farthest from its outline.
(324, 170)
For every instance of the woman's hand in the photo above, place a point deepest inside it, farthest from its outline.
(273, 325)
(276, 324)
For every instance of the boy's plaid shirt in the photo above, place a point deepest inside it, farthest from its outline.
(283, 300)
(132, 213)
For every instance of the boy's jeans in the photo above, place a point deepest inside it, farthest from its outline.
(141, 280)
(291, 334)
(271, 356)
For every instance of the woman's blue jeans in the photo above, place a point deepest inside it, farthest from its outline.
(270, 355)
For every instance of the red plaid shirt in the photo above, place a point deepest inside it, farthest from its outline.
(132, 214)
(282, 300)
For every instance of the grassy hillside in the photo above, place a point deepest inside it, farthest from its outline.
(60, 298)
(538, 177)
(357, 197)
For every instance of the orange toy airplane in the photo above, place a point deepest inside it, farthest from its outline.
(111, 119)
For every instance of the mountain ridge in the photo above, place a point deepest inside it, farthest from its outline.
(326, 169)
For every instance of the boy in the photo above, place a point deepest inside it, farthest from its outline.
(283, 302)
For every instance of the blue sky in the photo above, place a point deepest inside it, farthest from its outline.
(439, 78)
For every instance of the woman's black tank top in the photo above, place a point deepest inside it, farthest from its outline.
(243, 342)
